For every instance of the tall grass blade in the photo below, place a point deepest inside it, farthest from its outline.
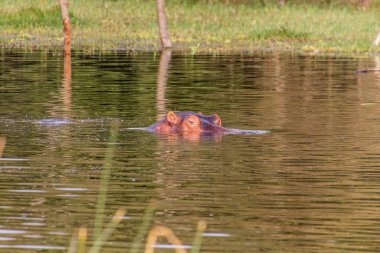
(3, 141)
(100, 207)
(78, 241)
(108, 230)
(159, 231)
(143, 229)
(82, 236)
(73, 244)
(376, 41)
(198, 237)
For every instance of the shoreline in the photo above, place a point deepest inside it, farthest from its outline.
(198, 28)
(185, 51)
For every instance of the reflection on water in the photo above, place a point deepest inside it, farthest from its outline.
(311, 185)
(162, 79)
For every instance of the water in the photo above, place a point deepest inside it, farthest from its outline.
(310, 185)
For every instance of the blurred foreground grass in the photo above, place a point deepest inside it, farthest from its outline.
(102, 232)
(194, 26)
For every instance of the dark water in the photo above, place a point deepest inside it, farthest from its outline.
(311, 185)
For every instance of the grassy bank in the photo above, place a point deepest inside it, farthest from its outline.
(193, 25)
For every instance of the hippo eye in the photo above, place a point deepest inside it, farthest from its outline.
(191, 122)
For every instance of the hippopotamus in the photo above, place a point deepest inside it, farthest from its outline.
(194, 125)
(187, 122)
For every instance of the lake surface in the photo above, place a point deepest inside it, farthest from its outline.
(310, 185)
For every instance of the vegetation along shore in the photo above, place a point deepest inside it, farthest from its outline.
(194, 25)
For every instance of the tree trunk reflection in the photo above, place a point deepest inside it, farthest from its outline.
(162, 78)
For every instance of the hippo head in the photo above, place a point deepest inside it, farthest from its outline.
(188, 123)
(194, 126)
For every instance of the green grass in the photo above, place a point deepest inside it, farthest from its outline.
(193, 25)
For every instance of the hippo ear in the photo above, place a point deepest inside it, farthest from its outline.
(216, 120)
(172, 118)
